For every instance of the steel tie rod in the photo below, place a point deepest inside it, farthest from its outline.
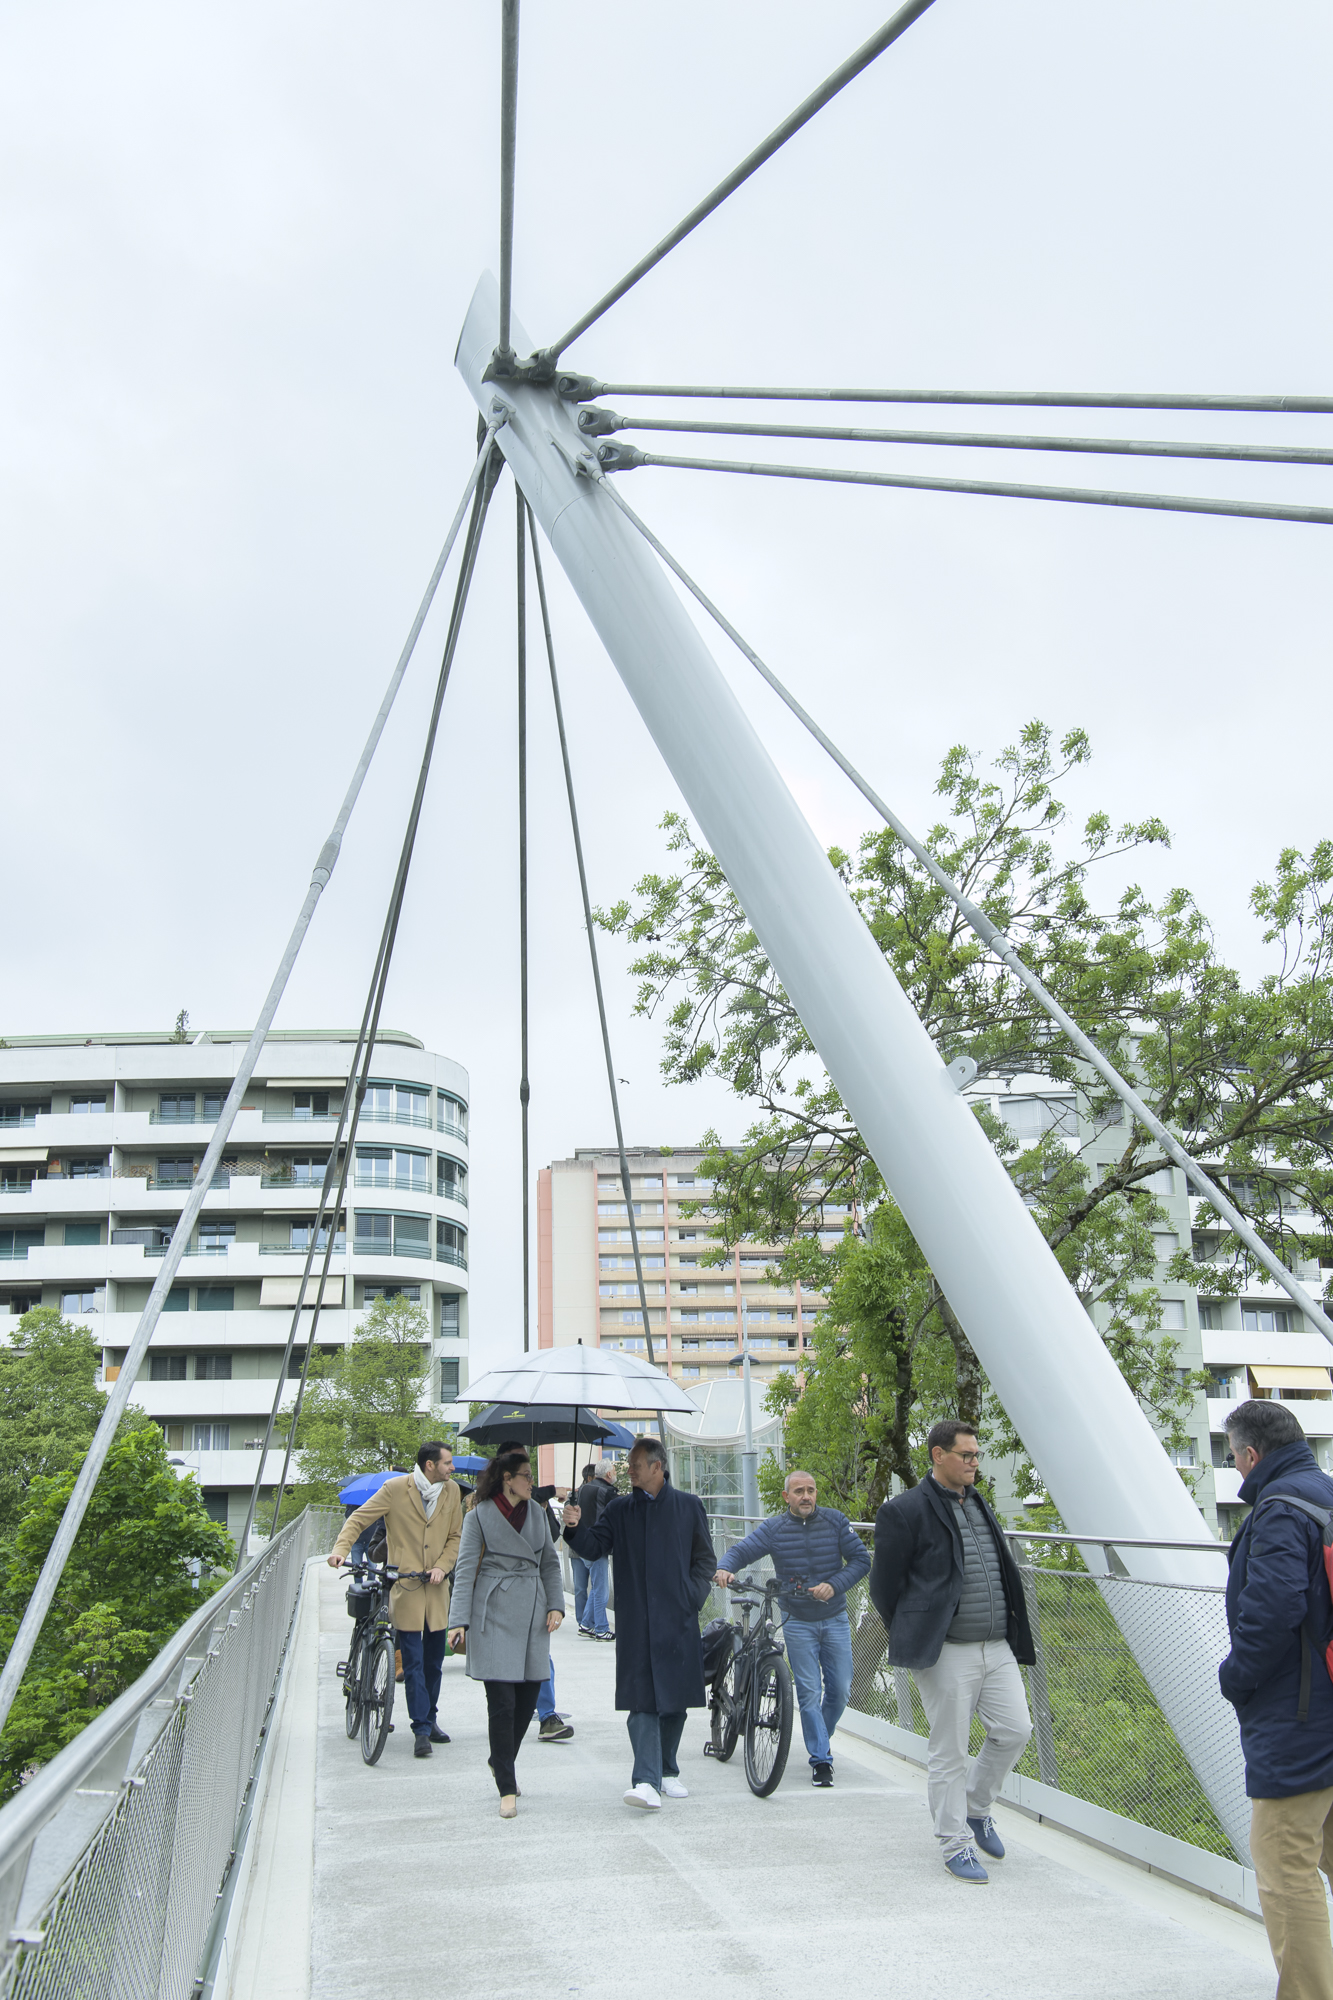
(995, 940)
(581, 388)
(44, 1591)
(804, 112)
(624, 458)
(508, 146)
(592, 947)
(594, 422)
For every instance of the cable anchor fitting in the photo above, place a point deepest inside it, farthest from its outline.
(620, 457)
(599, 423)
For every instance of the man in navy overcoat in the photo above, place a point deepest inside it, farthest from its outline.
(662, 1565)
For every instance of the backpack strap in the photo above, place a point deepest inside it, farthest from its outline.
(1321, 1516)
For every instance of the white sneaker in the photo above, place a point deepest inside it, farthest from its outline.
(643, 1796)
(673, 1789)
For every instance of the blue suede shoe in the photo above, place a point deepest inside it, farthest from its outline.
(988, 1840)
(967, 1866)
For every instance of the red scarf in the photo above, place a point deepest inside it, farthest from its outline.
(516, 1514)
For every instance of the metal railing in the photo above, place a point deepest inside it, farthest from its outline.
(301, 1117)
(116, 1858)
(183, 1117)
(448, 1256)
(401, 1183)
(1099, 1734)
(421, 1119)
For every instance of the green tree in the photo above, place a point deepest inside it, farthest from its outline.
(1241, 1071)
(50, 1404)
(366, 1407)
(144, 1553)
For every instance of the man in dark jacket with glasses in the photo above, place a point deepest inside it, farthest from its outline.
(949, 1591)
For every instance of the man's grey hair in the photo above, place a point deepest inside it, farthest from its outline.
(1263, 1427)
(605, 1469)
(651, 1448)
(797, 1473)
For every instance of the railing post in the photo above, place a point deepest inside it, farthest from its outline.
(1047, 1766)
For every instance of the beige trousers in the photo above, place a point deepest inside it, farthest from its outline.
(1291, 1840)
(974, 1679)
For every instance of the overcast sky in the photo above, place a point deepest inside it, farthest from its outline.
(238, 246)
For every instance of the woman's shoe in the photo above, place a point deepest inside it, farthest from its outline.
(509, 1806)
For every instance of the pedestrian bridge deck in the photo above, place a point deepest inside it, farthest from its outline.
(403, 1878)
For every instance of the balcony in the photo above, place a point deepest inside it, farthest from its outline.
(452, 1191)
(299, 1117)
(300, 1249)
(202, 1250)
(388, 1183)
(183, 1117)
(377, 1246)
(454, 1131)
(422, 1119)
(220, 1181)
(447, 1256)
(293, 1183)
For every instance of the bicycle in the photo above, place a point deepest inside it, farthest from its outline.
(753, 1690)
(368, 1674)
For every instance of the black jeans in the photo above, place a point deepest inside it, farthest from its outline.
(509, 1708)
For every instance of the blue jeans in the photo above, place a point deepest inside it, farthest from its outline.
(591, 1582)
(423, 1658)
(656, 1739)
(820, 1648)
(546, 1699)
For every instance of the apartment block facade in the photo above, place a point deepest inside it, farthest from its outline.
(1256, 1345)
(100, 1139)
(587, 1288)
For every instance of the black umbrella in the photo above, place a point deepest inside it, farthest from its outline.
(543, 1423)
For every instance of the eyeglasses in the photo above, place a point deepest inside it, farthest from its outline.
(524, 1472)
(968, 1457)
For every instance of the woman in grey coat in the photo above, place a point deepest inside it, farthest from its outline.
(507, 1599)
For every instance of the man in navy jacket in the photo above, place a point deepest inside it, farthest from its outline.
(1281, 1620)
(819, 1555)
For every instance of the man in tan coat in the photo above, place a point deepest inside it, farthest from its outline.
(423, 1517)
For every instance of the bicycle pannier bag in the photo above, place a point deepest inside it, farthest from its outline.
(360, 1597)
(717, 1638)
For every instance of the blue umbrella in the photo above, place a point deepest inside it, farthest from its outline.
(468, 1463)
(357, 1491)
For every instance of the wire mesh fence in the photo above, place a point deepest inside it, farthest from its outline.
(1098, 1731)
(132, 1916)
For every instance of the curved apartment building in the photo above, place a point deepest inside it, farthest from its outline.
(100, 1139)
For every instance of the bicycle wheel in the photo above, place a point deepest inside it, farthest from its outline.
(723, 1722)
(768, 1726)
(377, 1699)
(352, 1684)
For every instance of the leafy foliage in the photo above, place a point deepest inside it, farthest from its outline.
(143, 1556)
(50, 1404)
(1241, 1072)
(365, 1407)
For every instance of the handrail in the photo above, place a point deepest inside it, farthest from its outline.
(23, 1818)
(1030, 1535)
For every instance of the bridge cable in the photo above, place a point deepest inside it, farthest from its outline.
(44, 1590)
(595, 422)
(995, 940)
(524, 1092)
(508, 142)
(581, 388)
(375, 999)
(592, 944)
(804, 112)
(625, 458)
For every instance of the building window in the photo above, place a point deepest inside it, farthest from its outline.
(1210, 1315)
(82, 1233)
(719, 1318)
(177, 1299)
(1222, 1455)
(1165, 1244)
(449, 1381)
(449, 1315)
(1186, 1455)
(212, 1367)
(94, 1169)
(374, 1231)
(23, 1114)
(373, 1292)
(299, 1234)
(16, 1243)
(411, 1236)
(450, 1178)
(174, 1173)
(82, 1302)
(216, 1236)
(310, 1104)
(688, 1318)
(1173, 1315)
(451, 1244)
(213, 1437)
(452, 1113)
(1269, 1319)
(213, 1103)
(308, 1169)
(166, 1367)
(690, 1374)
(217, 1298)
(86, 1105)
(174, 1108)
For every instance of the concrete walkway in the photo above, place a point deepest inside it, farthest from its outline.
(417, 1883)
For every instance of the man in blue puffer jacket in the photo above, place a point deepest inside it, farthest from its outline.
(1281, 1619)
(818, 1553)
